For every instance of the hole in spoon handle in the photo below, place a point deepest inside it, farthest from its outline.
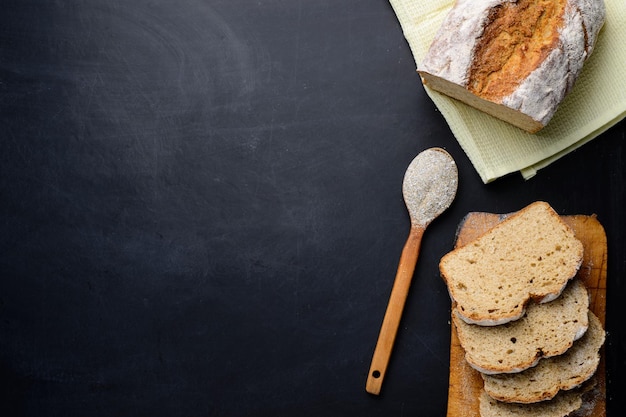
(393, 314)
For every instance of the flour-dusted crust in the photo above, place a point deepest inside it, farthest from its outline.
(513, 59)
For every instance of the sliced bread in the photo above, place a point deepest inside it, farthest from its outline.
(560, 406)
(551, 375)
(546, 330)
(532, 254)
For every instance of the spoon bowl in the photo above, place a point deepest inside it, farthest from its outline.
(429, 186)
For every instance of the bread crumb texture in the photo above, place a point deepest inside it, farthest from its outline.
(546, 330)
(561, 406)
(551, 375)
(532, 254)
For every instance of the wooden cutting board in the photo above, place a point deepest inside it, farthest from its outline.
(465, 384)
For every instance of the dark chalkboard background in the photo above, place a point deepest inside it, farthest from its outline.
(201, 210)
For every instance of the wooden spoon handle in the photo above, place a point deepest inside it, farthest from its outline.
(391, 321)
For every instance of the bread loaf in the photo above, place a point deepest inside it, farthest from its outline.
(513, 59)
(546, 330)
(551, 375)
(532, 254)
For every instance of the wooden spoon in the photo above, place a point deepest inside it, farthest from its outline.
(429, 187)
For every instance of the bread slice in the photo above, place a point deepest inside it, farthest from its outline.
(562, 405)
(546, 330)
(532, 254)
(551, 375)
(513, 59)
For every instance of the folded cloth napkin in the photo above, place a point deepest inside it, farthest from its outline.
(495, 148)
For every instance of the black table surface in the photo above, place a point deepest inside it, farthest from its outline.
(201, 210)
